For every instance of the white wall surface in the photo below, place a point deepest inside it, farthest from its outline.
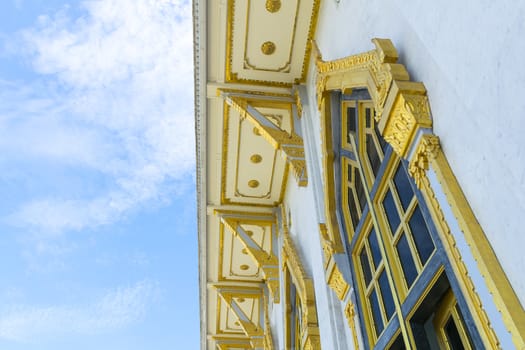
(304, 230)
(469, 54)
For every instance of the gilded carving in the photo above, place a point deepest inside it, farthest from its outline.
(409, 112)
(298, 104)
(327, 244)
(350, 317)
(426, 151)
(337, 282)
(378, 64)
(273, 5)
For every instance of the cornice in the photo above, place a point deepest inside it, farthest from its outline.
(199, 64)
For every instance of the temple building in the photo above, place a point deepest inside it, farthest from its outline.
(360, 174)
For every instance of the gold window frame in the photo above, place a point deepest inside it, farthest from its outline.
(402, 109)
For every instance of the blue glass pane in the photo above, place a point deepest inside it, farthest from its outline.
(391, 212)
(386, 292)
(351, 126)
(354, 215)
(373, 155)
(366, 267)
(376, 312)
(453, 337)
(404, 190)
(359, 189)
(424, 243)
(374, 248)
(406, 259)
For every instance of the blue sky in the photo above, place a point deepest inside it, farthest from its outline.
(98, 236)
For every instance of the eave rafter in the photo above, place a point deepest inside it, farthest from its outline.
(266, 261)
(290, 144)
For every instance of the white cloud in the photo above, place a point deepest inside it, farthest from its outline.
(115, 95)
(116, 309)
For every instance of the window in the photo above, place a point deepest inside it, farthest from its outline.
(390, 239)
(294, 318)
(449, 326)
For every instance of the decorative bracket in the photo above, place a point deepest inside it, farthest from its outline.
(267, 261)
(254, 330)
(290, 144)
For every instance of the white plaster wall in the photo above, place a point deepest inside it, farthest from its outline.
(304, 230)
(470, 56)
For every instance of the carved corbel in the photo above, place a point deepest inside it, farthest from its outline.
(427, 150)
(406, 110)
(334, 277)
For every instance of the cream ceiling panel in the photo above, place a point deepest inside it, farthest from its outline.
(268, 41)
(253, 171)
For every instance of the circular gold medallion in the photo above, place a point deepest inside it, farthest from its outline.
(268, 48)
(273, 5)
(244, 267)
(256, 158)
(253, 183)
